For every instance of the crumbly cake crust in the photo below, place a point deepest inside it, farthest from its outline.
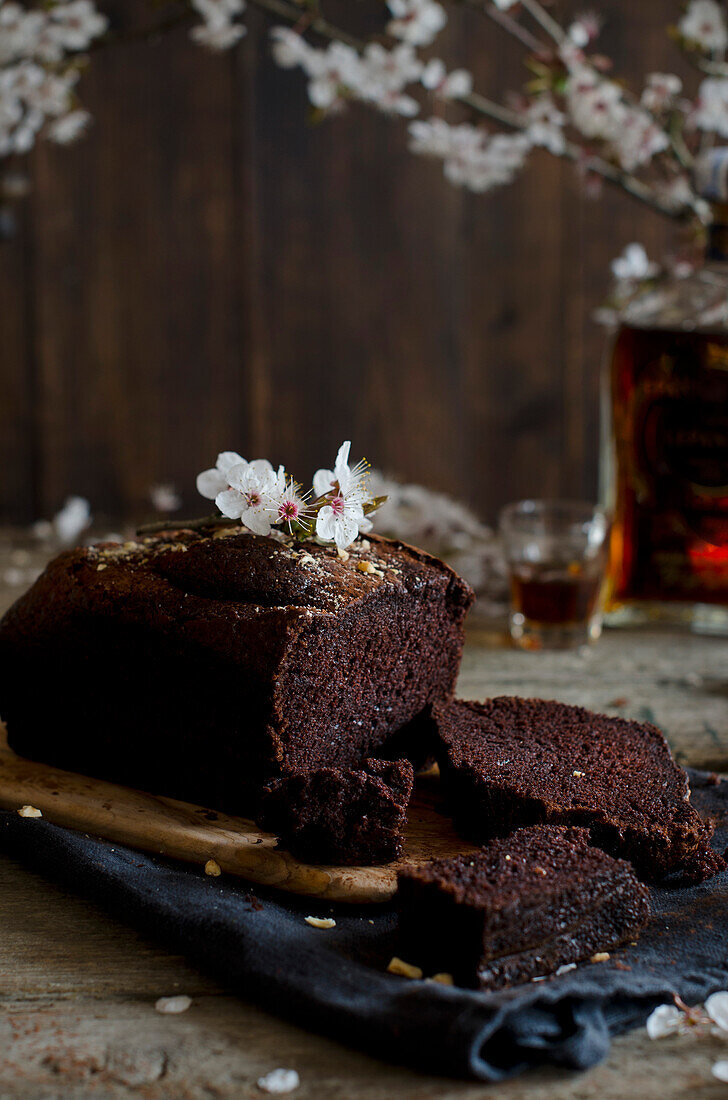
(341, 816)
(518, 909)
(201, 663)
(510, 762)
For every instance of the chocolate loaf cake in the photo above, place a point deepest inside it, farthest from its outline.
(201, 663)
(341, 815)
(510, 762)
(518, 909)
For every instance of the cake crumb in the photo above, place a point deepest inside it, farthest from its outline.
(540, 871)
(365, 567)
(279, 1081)
(600, 957)
(321, 922)
(29, 811)
(442, 979)
(308, 560)
(564, 969)
(100, 567)
(343, 554)
(365, 545)
(579, 775)
(404, 969)
(172, 1006)
(212, 867)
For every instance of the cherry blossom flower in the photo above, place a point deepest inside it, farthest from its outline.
(665, 1020)
(218, 31)
(545, 124)
(595, 105)
(585, 29)
(472, 157)
(637, 139)
(711, 112)
(214, 481)
(291, 507)
(661, 90)
(416, 21)
(634, 264)
(345, 489)
(384, 73)
(74, 24)
(377, 76)
(332, 71)
(253, 496)
(289, 48)
(446, 85)
(704, 24)
(70, 127)
(351, 481)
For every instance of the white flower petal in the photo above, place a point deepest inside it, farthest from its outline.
(323, 482)
(237, 476)
(256, 520)
(231, 503)
(342, 457)
(210, 483)
(720, 1070)
(434, 73)
(227, 459)
(261, 467)
(347, 528)
(326, 523)
(717, 1008)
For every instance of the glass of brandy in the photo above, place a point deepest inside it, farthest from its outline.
(556, 552)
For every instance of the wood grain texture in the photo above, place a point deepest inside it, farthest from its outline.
(164, 826)
(207, 270)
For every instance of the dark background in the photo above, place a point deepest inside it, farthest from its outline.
(207, 271)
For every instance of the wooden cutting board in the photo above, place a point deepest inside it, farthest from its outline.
(180, 830)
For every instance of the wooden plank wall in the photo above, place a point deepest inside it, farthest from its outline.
(208, 271)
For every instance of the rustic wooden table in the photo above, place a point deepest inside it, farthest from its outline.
(77, 989)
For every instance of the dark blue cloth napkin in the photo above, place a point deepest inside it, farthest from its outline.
(257, 943)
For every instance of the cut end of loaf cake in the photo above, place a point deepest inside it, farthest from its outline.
(518, 909)
(510, 762)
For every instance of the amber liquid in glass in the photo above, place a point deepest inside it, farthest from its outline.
(548, 595)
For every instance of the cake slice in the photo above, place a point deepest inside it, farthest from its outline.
(510, 762)
(337, 815)
(201, 663)
(519, 909)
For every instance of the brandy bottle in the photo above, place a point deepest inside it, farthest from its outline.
(665, 459)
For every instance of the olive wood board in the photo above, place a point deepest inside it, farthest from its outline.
(179, 830)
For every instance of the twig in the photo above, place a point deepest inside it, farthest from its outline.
(184, 524)
(542, 17)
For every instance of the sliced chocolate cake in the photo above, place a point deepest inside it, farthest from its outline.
(510, 762)
(200, 664)
(341, 816)
(518, 909)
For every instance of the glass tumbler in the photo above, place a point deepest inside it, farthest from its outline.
(556, 552)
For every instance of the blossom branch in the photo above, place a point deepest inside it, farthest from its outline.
(544, 20)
